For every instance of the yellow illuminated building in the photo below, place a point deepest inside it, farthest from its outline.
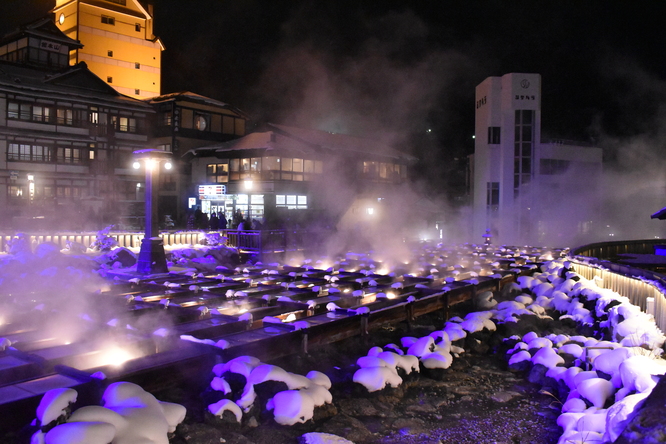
(118, 42)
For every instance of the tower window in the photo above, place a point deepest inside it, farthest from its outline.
(137, 27)
(493, 135)
(137, 65)
(109, 79)
(109, 53)
(136, 92)
(492, 195)
(108, 20)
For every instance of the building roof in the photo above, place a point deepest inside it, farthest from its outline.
(74, 82)
(43, 28)
(288, 139)
(196, 98)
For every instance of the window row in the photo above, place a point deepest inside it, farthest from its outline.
(40, 153)
(264, 168)
(46, 192)
(72, 116)
(292, 202)
(36, 55)
(384, 171)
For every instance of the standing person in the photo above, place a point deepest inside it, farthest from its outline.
(241, 225)
(214, 222)
(198, 218)
(222, 224)
(204, 221)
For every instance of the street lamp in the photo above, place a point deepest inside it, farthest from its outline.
(152, 259)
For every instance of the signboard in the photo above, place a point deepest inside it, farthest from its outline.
(191, 202)
(13, 175)
(212, 192)
(49, 46)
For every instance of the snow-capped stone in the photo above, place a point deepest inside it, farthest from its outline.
(291, 407)
(438, 359)
(576, 405)
(319, 378)
(54, 404)
(574, 350)
(376, 378)
(620, 413)
(323, 438)
(547, 357)
(223, 405)
(521, 356)
(596, 390)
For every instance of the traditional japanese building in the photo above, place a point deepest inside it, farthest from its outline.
(185, 121)
(520, 181)
(293, 175)
(117, 40)
(66, 136)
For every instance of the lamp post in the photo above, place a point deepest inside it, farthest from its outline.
(152, 259)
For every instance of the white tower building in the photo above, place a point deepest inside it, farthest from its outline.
(518, 180)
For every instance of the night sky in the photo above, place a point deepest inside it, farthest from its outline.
(393, 69)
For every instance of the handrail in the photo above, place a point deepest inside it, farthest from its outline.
(610, 250)
(251, 241)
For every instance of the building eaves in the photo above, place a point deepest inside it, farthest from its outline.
(196, 98)
(30, 81)
(267, 141)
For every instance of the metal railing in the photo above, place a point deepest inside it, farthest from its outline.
(611, 250)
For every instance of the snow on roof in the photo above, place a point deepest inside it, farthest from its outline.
(336, 141)
(288, 139)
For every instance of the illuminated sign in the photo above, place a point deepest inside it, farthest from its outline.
(191, 202)
(212, 192)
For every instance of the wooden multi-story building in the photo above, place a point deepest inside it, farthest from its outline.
(66, 136)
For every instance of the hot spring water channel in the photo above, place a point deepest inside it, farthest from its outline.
(180, 324)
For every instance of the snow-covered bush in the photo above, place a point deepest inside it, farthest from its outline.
(103, 241)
